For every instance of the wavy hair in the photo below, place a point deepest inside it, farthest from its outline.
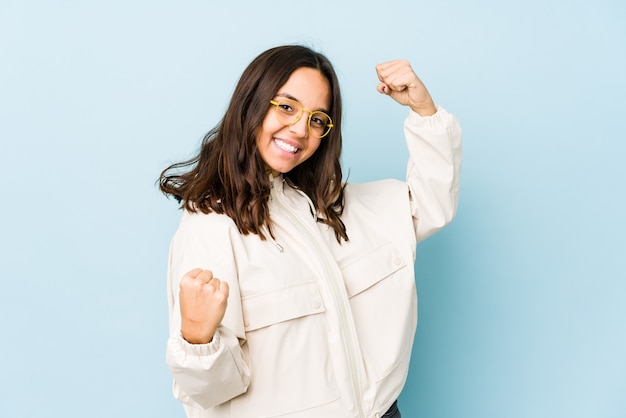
(228, 175)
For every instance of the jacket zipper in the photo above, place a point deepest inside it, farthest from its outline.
(340, 303)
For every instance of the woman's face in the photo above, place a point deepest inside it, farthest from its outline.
(284, 147)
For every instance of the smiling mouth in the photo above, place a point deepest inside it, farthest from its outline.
(285, 146)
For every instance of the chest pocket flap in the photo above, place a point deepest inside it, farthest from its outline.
(268, 308)
(362, 272)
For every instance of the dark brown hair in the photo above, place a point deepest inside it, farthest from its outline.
(229, 176)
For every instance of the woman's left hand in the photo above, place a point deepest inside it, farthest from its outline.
(399, 81)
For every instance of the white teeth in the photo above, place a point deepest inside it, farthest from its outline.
(285, 146)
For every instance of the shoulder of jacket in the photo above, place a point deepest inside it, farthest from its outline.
(383, 197)
(198, 223)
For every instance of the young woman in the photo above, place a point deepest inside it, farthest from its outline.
(292, 293)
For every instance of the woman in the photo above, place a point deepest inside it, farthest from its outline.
(291, 293)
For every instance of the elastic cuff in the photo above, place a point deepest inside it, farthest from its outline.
(418, 120)
(201, 349)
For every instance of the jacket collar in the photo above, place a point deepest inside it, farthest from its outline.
(276, 183)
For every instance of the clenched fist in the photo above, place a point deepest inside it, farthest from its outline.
(203, 300)
(399, 81)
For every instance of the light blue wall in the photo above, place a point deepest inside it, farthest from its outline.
(522, 309)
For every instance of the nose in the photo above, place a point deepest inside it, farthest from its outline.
(301, 127)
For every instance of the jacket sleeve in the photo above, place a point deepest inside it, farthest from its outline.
(205, 375)
(433, 171)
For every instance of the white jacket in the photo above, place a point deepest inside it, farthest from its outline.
(313, 328)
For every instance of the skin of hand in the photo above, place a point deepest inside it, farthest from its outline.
(203, 300)
(399, 81)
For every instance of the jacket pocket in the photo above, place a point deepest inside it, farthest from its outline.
(273, 307)
(288, 351)
(365, 270)
(381, 288)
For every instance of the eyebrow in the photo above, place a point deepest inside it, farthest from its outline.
(289, 96)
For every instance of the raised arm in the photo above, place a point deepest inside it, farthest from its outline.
(433, 138)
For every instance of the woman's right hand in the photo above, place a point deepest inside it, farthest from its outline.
(203, 300)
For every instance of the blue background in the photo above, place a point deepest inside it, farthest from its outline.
(522, 309)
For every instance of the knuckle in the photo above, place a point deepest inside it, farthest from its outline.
(205, 275)
(185, 282)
